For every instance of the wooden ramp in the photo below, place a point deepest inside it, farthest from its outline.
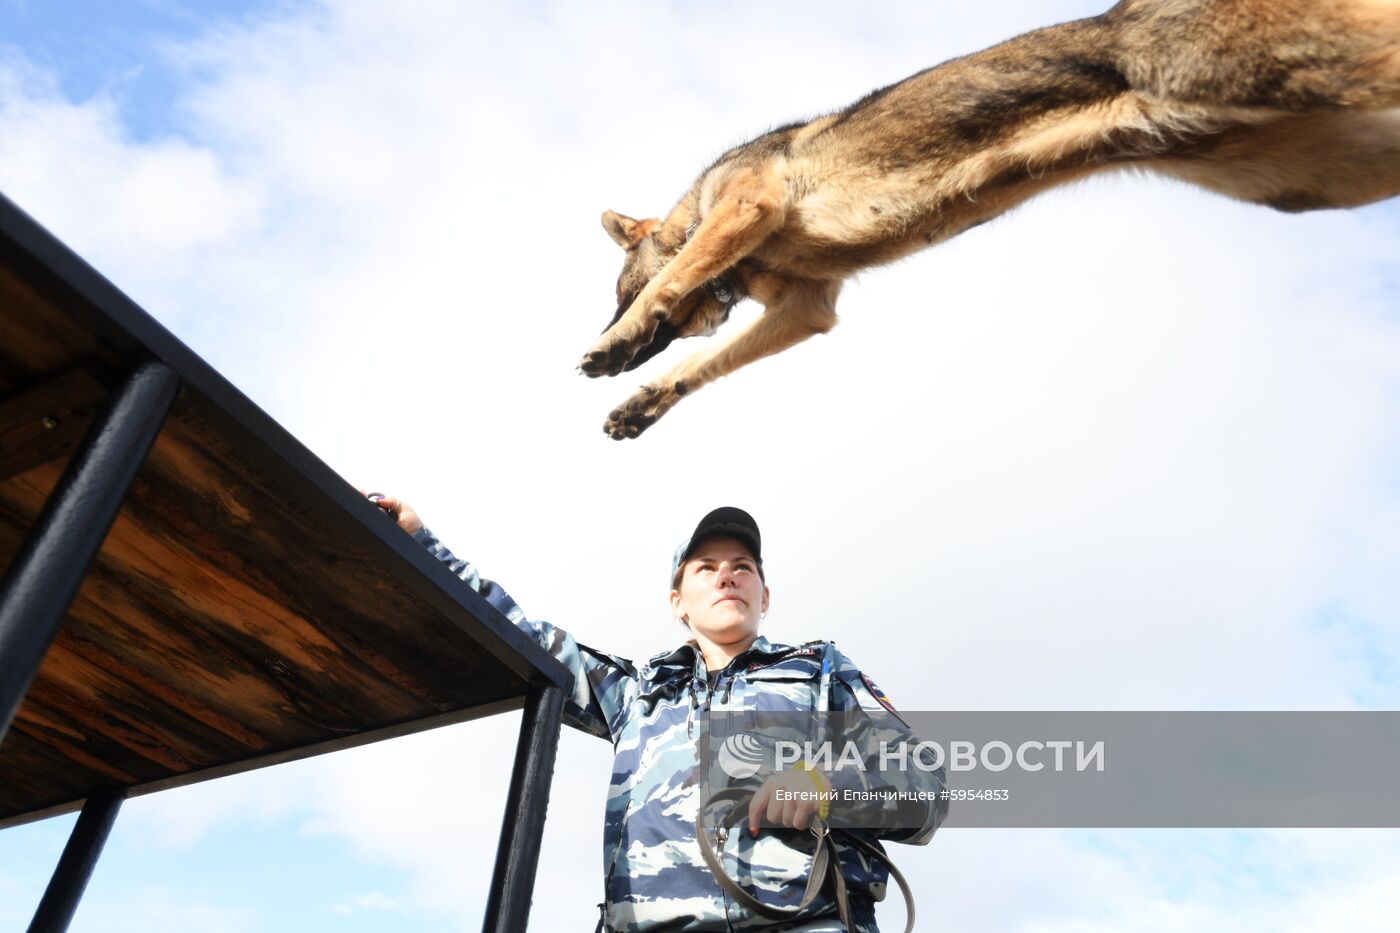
(247, 606)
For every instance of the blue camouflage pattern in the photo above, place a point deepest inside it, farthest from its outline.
(655, 877)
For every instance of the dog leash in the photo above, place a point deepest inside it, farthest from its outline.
(824, 862)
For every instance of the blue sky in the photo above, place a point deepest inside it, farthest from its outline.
(115, 49)
(1131, 446)
(240, 877)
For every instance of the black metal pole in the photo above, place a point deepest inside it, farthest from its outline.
(75, 865)
(44, 576)
(517, 855)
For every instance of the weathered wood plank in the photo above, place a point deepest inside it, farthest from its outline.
(36, 338)
(46, 421)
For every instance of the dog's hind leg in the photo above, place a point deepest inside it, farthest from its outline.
(794, 311)
(749, 205)
(1300, 162)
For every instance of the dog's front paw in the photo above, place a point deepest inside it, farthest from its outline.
(642, 410)
(606, 359)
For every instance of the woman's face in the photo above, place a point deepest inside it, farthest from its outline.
(721, 595)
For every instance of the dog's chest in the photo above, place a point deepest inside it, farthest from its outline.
(835, 229)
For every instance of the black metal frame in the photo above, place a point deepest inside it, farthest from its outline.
(43, 579)
(40, 584)
(75, 866)
(518, 852)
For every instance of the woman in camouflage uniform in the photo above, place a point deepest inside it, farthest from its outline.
(656, 877)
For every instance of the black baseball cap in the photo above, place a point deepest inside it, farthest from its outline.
(725, 520)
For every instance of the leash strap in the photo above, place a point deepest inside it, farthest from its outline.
(824, 863)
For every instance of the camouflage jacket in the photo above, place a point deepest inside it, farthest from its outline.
(655, 877)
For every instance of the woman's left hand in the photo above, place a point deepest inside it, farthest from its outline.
(400, 511)
(795, 806)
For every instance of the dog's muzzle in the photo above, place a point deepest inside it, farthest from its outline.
(721, 289)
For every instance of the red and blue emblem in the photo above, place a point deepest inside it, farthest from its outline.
(877, 693)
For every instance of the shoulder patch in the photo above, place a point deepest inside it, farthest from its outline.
(877, 693)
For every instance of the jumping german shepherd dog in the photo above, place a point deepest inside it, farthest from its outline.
(1287, 103)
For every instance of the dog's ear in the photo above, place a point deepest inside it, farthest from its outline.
(626, 231)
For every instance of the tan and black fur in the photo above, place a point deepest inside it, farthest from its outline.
(1294, 104)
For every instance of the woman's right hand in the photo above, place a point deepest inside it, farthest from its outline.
(407, 519)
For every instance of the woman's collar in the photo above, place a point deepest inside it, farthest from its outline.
(688, 656)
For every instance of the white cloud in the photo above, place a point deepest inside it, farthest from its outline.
(183, 818)
(153, 908)
(148, 209)
(1128, 447)
(371, 900)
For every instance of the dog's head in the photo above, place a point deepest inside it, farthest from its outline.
(649, 249)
